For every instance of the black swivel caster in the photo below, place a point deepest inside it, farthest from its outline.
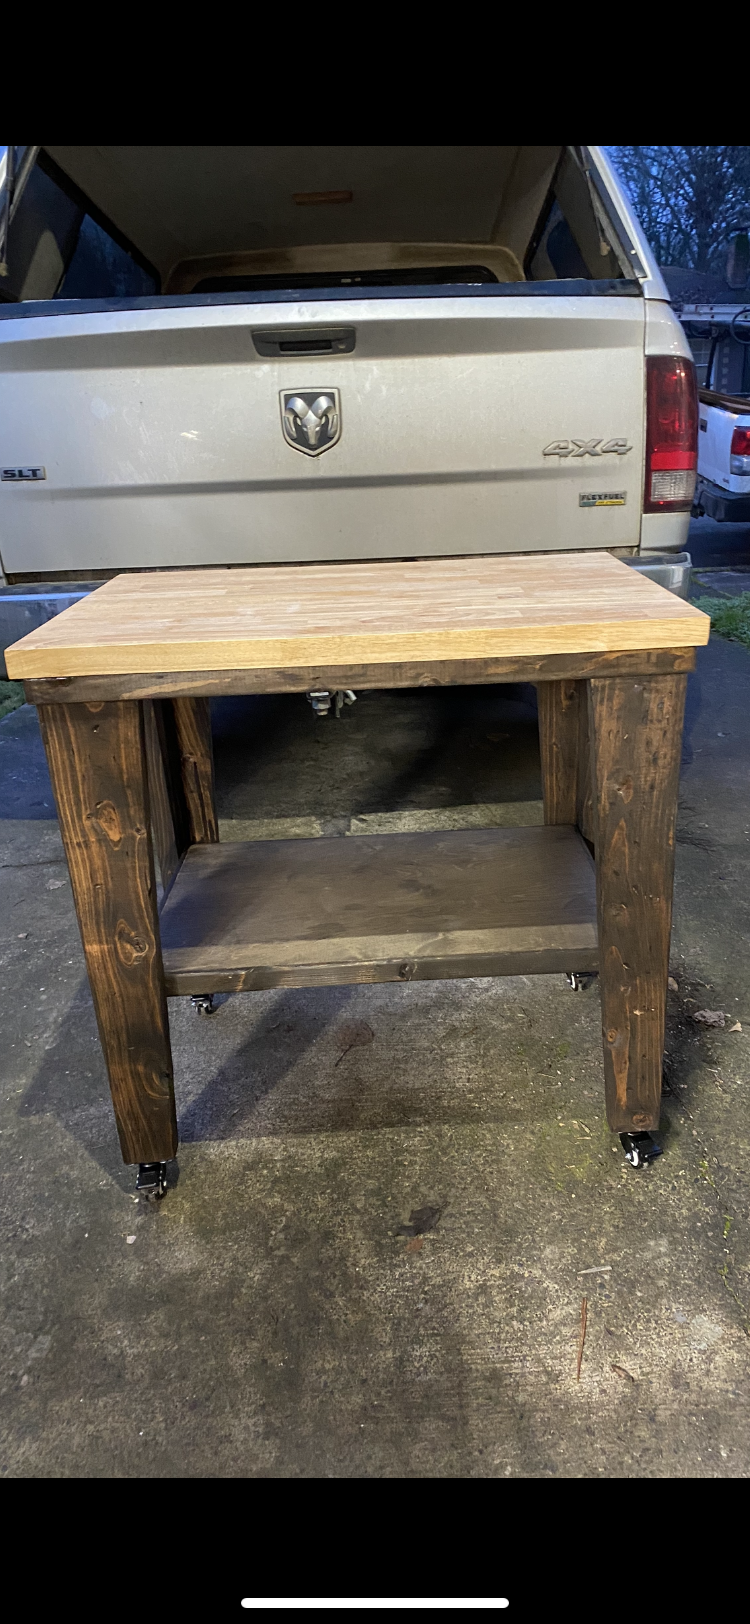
(151, 1182)
(639, 1148)
(203, 1003)
(579, 980)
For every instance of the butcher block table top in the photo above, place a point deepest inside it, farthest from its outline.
(309, 614)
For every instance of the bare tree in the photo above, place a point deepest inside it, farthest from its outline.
(689, 200)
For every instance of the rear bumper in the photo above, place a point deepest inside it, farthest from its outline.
(672, 570)
(726, 507)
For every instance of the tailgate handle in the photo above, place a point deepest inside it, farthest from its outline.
(305, 341)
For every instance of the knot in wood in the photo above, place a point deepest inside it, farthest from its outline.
(406, 971)
(131, 947)
(107, 817)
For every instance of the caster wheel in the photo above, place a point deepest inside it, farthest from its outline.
(151, 1182)
(639, 1148)
(203, 1003)
(579, 980)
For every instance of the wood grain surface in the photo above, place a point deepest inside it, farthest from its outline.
(584, 818)
(193, 724)
(636, 728)
(298, 615)
(558, 704)
(96, 756)
(405, 674)
(372, 908)
(565, 754)
(166, 854)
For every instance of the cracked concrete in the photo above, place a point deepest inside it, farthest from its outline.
(267, 1320)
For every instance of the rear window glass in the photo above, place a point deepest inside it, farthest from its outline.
(571, 241)
(56, 249)
(448, 275)
(101, 269)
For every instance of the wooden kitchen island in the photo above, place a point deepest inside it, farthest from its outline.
(123, 680)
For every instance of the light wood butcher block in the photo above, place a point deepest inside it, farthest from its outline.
(362, 614)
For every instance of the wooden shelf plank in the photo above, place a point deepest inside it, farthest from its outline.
(397, 907)
(360, 614)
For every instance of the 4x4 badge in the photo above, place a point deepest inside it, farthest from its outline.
(585, 448)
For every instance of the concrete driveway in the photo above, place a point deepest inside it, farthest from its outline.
(271, 1318)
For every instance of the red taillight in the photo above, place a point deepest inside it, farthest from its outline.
(741, 443)
(671, 434)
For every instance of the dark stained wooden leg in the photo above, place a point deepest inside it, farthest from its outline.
(166, 728)
(193, 723)
(166, 852)
(584, 795)
(566, 755)
(636, 733)
(559, 705)
(97, 761)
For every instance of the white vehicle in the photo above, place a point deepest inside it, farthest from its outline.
(713, 310)
(723, 488)
(252, 355)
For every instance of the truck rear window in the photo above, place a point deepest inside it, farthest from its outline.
(430, 276)
(521, 221)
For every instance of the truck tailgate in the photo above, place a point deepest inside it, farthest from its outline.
(160, 432)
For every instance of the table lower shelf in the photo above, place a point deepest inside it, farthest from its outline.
(246, 915)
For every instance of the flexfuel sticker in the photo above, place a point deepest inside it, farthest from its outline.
(601, 499)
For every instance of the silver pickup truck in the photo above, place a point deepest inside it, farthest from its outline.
(241, 355)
